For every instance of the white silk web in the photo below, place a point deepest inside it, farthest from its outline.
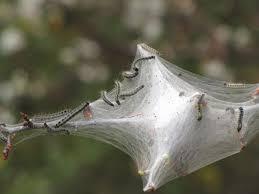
(170, 121)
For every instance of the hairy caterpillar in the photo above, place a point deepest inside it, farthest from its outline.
(234, 85)
(54, 130)
(130, 74)
(135, 67)
(146, 47)
(240, 118)
(132, 92)
(50, 117)
(134, 73)
(118, 87)
(71, 114)
(106, 99)
(200, 103)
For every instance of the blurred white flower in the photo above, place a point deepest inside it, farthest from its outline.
(68, 56)
(5, 115)
(7, 92)
(37, 88)
(14, 87)
(88, 73)
(11, 41)
(6, 12)
(87, 48)
(145, 16)
(81, 50)
(153, 29)
(69, 3)
(186, 7)
(30, 9)
(242, 37)
(222, 33)
(19, 82)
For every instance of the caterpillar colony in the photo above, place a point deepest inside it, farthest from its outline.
(170, 121)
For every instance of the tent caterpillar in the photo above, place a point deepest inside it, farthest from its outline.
(52, 130)
(234, 85)
(118, 87)
(129, 74)
(106, 99)
(135, 67)
(50, 117)
(132, 92)
(240, 118)
(200, 103)
(71, 114)
(148, 48)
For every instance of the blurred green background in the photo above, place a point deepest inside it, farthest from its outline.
(57, 53)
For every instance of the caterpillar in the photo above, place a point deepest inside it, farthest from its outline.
(106, 99)
(132, 92)
(200, 103)
(50, 117)
(148, 48)
(234, 85)
(71, 114)
(118, 87)
(51, 130)
(135, 67)
(240, 118)
(134, 73)
(129, 74)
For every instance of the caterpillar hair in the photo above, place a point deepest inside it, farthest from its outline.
(73, 113)
(132, 92)
(118, 90)
(234, 85)
(200, 102)
(240, 119)
(106, 99)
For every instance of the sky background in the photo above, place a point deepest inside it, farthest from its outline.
(55, 54)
